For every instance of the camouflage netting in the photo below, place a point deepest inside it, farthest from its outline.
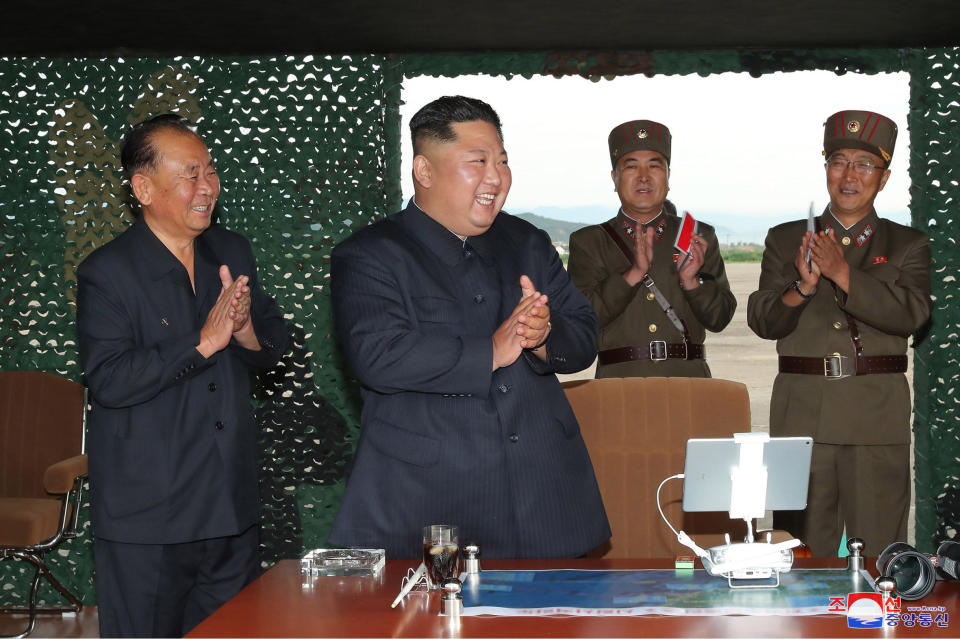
(934, 206)
(308, 151)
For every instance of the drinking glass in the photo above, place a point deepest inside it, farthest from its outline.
(441, 553)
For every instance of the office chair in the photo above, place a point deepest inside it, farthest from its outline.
(636, 431)
(42, 471)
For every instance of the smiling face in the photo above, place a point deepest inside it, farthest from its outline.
(463, 183)
(851, 193)
(642, 180)
(178, 197)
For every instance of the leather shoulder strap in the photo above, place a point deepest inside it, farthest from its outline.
(618, 241)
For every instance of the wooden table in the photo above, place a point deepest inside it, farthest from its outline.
(279, 605)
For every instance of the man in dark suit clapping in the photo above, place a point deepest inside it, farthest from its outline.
(454, 316)
(167, 341)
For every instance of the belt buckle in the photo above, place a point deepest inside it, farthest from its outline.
(658, 350)
(833, 366)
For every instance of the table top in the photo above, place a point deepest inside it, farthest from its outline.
(282, 604)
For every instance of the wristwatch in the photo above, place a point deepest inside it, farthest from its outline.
(806, 296)
(699, 281)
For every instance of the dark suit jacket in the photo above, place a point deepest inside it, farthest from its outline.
(172, 438)
(444, 439)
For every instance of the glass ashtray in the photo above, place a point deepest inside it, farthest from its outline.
(342, 562)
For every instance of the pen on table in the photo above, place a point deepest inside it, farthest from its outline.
(411, 582)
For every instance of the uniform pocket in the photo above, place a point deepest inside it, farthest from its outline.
(884, 272)
(568, 421)
(403, 444)
(138, 477)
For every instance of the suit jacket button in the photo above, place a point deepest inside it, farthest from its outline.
(514, 438)
(219, 425)
(211, 387)
(478, 298)
(503, 388)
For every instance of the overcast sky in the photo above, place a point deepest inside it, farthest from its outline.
(741, 145)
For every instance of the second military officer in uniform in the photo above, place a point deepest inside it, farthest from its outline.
(841, 319)
(653, 316)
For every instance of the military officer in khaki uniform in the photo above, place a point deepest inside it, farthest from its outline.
(653, 316)
(841, 320)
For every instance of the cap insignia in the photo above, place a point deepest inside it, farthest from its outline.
(853, 126)
(642, 133)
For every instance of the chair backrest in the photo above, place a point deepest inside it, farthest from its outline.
(636, 431)
(41, 423)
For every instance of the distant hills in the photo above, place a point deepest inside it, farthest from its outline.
(559, 222)
(740, 232)
(558, 230)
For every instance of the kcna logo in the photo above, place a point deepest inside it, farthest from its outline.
(867, 610)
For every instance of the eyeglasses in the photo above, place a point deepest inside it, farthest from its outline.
(860, 167)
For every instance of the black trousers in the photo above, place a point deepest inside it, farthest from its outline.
(164, 590)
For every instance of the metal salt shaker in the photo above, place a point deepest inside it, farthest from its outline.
(855, 558)
(451, 601)
(471, 559)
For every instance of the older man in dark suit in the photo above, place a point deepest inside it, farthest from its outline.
(455, 317)
(167, 340)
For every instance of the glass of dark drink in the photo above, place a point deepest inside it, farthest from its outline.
(441, 553)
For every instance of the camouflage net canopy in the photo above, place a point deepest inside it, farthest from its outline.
(308, 151)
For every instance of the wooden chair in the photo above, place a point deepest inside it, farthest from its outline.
(42, 470)
(636, 430)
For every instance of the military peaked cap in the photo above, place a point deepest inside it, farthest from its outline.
(639, 135)
(860, 130)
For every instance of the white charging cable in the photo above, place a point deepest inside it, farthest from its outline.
(682, 537)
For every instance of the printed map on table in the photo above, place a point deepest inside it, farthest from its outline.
(651, 592)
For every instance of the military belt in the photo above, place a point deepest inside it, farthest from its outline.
(655, 351)
(837, 366)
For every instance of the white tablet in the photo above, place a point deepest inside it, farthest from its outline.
(707, 483)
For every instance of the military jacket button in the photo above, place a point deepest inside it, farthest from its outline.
(652, 328)
(650, 296)
(837, 325)
(845, 241)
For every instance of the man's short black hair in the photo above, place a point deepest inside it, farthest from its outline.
(434, 121)
(138, 151)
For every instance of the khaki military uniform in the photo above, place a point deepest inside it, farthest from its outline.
(857, 422)
(629, 315)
